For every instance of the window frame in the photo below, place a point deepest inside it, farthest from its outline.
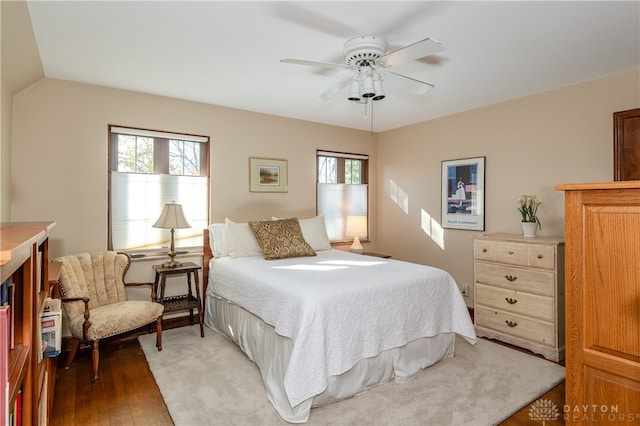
(161, 152)
(340, 179)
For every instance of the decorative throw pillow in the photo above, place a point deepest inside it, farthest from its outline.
(280, 239)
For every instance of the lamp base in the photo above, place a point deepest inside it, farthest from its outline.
(356, 247)
(171, 263)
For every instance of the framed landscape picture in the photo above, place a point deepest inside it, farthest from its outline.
(463, 194)
(267, 175)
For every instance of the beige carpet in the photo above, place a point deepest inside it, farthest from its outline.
(209, 381)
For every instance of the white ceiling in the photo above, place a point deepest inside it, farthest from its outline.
(228, 53)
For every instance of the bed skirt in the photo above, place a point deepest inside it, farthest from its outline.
(270, 352)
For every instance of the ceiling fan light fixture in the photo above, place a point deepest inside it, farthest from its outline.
(367, 87)
(354, 91)
(377, 88)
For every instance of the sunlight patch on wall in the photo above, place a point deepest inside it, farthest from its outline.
(432, 228)
(398, 196)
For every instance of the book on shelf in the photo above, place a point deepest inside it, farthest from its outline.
(7, 293)
(4, 293)
(51, 328)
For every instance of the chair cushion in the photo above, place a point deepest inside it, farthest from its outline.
(116, 318)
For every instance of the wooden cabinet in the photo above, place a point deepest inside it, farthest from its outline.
(519, 292)
(626, 145)
(24, 261)
(602, 231)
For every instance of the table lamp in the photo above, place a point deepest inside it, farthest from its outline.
(172, 217)
(356, 227)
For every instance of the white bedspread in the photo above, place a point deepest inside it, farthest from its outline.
(340, 307)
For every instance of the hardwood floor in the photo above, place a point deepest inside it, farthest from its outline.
(128, 395)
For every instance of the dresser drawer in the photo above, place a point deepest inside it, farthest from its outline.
(512, 253)
(516, 325)
(542, 257)
(533, 305)
(484, 250)
(515, 253)
(527, 280)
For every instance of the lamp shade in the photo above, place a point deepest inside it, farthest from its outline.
(356, 226)
(172, 217)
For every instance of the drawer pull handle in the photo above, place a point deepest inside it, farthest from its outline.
(511, 323)
(510, 278)
(539, 256)
(511, 301)
(484, 250)
(510, 252)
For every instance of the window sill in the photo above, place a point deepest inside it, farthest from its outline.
(137, 256)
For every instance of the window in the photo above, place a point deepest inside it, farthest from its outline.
(148, 169)
(342, 190)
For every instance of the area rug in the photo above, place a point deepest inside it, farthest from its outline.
(209, 381)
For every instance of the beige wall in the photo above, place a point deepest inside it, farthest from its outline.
(20, 66)
(530, 144)
(60, 156)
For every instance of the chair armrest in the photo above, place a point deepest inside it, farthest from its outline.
(74, 299)
(87, 313)
(152, 285)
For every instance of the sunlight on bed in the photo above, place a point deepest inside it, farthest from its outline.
(331, 265)
(353, 262)
(311, 267)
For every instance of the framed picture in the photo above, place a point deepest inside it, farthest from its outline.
(463, 194)
(267, 175)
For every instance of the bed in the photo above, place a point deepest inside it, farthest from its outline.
(324, 324)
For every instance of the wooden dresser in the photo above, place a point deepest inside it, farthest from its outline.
(602, 229)
(519, 292)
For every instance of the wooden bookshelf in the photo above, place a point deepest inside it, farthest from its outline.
(24, 261)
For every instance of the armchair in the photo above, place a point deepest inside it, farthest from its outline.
(92, 290)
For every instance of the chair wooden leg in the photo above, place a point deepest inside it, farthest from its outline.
(75, 344)
(96, 360)
(159, 333)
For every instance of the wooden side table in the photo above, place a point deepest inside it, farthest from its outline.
(183, 301)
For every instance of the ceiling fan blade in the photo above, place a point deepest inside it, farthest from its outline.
(416, 86)
(313, 63)
(336, 88)
(417, 50)
(310, 19)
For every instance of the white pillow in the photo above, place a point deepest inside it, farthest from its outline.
(242, 241)
(314, 232)
(218, 239)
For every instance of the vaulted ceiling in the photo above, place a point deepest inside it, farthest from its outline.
(228, 53)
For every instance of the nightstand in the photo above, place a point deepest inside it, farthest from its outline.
(183, 301)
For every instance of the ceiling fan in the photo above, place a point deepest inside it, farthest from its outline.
(370, 62)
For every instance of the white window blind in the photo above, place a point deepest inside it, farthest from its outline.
(336, 201)
(137, 200)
